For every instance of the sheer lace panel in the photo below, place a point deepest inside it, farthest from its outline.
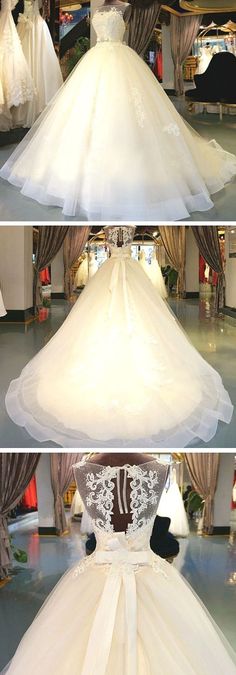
(119, 235)
(99, 484)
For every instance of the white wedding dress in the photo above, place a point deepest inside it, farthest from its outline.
(111, 146)
(172, 506)
(16, 84)
(129, 612)
(44, 66)
(2, 306)
(154, 273)
(120, 370)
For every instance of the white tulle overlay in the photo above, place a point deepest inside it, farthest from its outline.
(133, 613)
(43, 63)
(16, 84)
(172, 506)
(120, 370)
(76, 157)
(2, 306)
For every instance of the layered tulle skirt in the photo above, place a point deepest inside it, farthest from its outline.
(111, 146)
(120, 371)
(16, 84)
(138, 621)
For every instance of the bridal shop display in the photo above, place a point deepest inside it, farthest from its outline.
(131, 609)
(30, 74)
(120, 370)
(157, 169)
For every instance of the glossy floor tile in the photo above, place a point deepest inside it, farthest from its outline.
(215, 338)
(14, 206)
(206, 563)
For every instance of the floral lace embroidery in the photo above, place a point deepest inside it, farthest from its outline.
(139, 106)
(113, 233)
(101, 493)
(143, 493)
(172, 129)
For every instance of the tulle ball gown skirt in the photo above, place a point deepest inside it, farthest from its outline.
(111, 146)
(120, 370)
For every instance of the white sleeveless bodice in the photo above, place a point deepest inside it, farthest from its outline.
(109, 25)
(31, 9)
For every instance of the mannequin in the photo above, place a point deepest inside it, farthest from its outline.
(120, 521)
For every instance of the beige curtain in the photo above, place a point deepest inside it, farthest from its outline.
(50, 240)
(203, 470)
(61, 477)
(183, 32)
(174, 241)
(16, 471)
(143, 20)
(74, 243)
(208, 243)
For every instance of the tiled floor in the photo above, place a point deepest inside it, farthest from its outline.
(206, 563)
(213, 337)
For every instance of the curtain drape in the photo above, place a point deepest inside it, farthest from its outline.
(203, 470)
(16, 471)
(174, 241)
(61, 477)
(142, 23)
(209, 247)
(50, 240)
(74, 244)
(183, 32)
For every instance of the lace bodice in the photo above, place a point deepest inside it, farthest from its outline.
(119, 236)
(31, 9)
(137, 491)
(109, 25)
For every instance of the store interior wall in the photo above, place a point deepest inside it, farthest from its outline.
(222, 505)
(192, 263)
(16, 267)
(168, 65)
(45, 493)
(57, 275)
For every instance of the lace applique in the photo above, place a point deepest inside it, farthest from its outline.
(139, 106)
(172, 129)
(101, 493)
(143, 494)
(113, 234)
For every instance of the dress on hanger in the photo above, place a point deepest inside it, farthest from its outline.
(76, 504)
(111, 145)
(93, 266)
(16, 84)
(81, 276)
(203, 60)
(172, 505)
(120, 370)
(2, 306)
(132, 613)
(155, 275)
(43, 63)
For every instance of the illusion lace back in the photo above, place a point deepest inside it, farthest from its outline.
(109, 25)
(120, 235)
(135, 490)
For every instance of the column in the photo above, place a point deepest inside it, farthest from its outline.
(222, 503)
(16, 272)
(46, 521)
(192, 265)
(168, 65)
(57, 276)
(230, 276)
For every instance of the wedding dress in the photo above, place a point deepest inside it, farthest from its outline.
(155, 275)
(132, 613)
(44, 66)
(111, 146)
(2, 306)
(120, 370)
(76, 505)
(16, 84)
(172, 505)
(204, 59)
(81, 276)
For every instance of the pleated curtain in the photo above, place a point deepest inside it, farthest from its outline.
(61, 478)
(183, 33)
(203, 470)
(208, 243)
(50, 240)
(174, 241)
(142, 22)
(74, 243)
(16, 472)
